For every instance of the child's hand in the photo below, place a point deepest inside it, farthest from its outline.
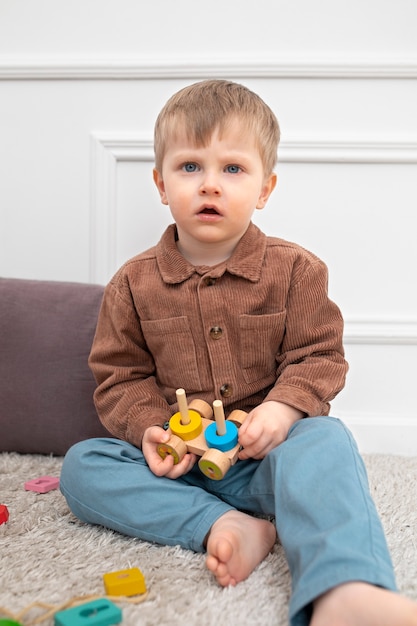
(163, 467)
(266, 427)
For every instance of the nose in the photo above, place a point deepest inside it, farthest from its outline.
(210, 185)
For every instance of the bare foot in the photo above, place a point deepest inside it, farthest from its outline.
(237, 543)
(361, 604)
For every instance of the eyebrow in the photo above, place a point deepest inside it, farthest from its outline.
(229, 155)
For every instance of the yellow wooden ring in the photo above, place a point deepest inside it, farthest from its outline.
(186, 431)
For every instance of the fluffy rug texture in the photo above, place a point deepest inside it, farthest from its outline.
(47, 555)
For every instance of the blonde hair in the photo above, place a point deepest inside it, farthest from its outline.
(201, 108)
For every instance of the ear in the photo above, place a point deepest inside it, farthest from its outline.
(267, 189)
(158, 180)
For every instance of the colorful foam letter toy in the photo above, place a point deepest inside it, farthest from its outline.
(4, 513)
(100, 612)
(42, 484)
(126, 582)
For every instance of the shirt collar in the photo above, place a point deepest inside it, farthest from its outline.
(246, 261)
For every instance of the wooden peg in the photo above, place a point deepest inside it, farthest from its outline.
(219, 417)
(183, 406)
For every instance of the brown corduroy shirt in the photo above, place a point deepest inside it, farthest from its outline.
(259, 326)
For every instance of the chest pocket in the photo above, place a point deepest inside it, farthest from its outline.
(171, 343)
(260, 340)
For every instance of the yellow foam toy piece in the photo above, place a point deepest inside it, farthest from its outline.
(126, 582)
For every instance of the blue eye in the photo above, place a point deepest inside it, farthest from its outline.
(189, 167)
(233, 169)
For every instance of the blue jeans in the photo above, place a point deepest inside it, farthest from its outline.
(315, 484)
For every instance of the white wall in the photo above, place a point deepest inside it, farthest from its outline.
(81, 84)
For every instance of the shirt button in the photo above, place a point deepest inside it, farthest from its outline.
(210, 281)
(216, 332)
(226, 390)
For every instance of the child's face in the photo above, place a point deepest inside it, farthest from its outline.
(213, 190)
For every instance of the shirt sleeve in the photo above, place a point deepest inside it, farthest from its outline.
(311, 368)
(127, 397)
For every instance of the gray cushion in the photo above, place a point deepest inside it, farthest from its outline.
(46, 387)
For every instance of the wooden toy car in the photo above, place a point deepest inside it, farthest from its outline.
(193, 430)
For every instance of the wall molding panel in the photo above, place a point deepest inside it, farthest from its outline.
(110, 149)
(91, 68)
(382, 434)
(381, 332)
(349, 151)
(106, 152)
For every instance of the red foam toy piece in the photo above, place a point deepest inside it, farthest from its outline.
(4, 513)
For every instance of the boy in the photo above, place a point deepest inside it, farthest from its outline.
(225, 312)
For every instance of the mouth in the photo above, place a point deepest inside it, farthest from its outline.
(208, 210)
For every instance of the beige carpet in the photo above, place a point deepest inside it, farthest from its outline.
(47, 555)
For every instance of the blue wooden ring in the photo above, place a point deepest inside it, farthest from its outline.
(221, 442)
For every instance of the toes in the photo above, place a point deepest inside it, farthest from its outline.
(223, 576)
(212, 563)
(220, 571)
(224, 550)
(227, 581)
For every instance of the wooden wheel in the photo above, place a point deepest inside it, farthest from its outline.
(175, 446)
(202, 407)
(214, 464)
(237, 417)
